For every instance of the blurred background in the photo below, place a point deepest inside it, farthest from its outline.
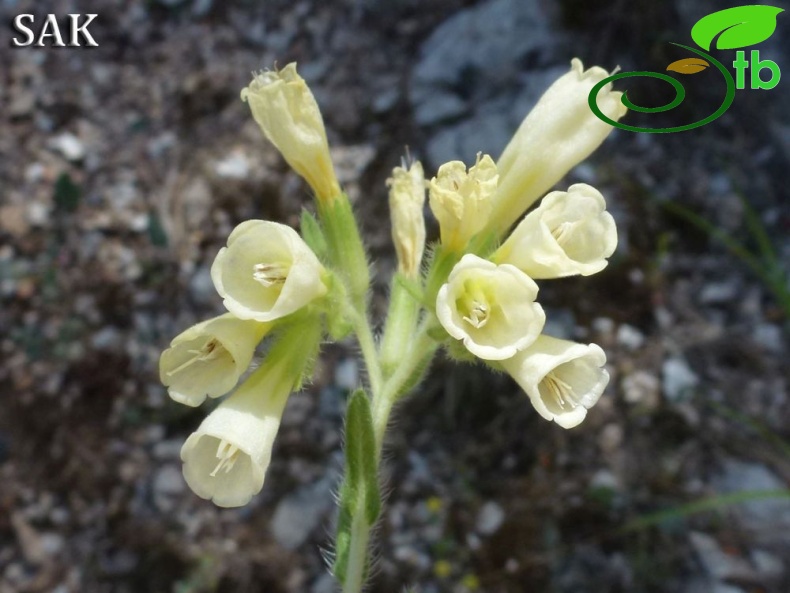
(124, 167)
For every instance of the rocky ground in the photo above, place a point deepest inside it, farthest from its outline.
(122, 170)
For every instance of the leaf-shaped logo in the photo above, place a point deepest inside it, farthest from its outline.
(688, 66)
(741, 26)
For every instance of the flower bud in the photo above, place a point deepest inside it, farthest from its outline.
(569, 233)
(559, 132)
(226, 458)
(208, 358)
(461, 200)
(562, 379)
(266, 272)
(407, 198)
(288, 115)
(491, 308)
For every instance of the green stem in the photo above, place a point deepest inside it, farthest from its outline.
(367, 343)
(358, 554)
(414, 357)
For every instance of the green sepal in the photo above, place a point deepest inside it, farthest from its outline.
(437, 333)
(442, 263)
(345, 248)
(361, 466)
(457, 351)
(338, 324)
(411, 286)
(313, 235)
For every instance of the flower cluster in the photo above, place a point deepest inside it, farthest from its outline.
(474, 289)
(272, 284)
(489, 303)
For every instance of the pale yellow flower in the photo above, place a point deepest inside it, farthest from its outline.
(559, 132)
(491, 308)
(287, 113)
(407, 199)
(267, 271)
(461, 200)
(226, 458)
(569, 233)
(562, 379)
(208, 358)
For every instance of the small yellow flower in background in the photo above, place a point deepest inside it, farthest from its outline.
(569, 233)
(208, 358)
(407, 199)
(556, 135)
(442, 569)
(562, 379)
(491, 308)
(226, 458)
(287, 113)
(461, 200)
(267, 271)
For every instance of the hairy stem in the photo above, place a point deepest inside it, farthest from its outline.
(414, 357)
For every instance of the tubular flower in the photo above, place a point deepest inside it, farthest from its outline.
(556, 135)
(208, 358)
(569, 233)
(461, 200)
(407, 198)
(562, 379)
(226, 458)
(266, 272)
(288, 115)
(491, 308)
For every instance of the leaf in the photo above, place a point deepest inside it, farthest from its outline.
(67, 193)
(688, 66)
(156, 232)
(737, 27)
(361, 466)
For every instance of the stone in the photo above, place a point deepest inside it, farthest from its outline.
(347, 374)
(168, 484)
(236, 165)
(301, 512)
(630, 337)
(489, 518)
(767, 518)
(718, 564)
(678, 379)
(69, 146)
(641, 388)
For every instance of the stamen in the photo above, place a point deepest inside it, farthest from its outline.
(227, 454)
(211, 350)
(478, 316)
(561, 232)
(561, 391)
(269, 274)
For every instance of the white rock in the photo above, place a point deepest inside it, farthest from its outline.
(767, 518)
(300, 513)
(347, 374)
(630, 337)
(678, 379)
(641, 387)
(719, 565)
(234, 166)
(69, 146)
(490, 518)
